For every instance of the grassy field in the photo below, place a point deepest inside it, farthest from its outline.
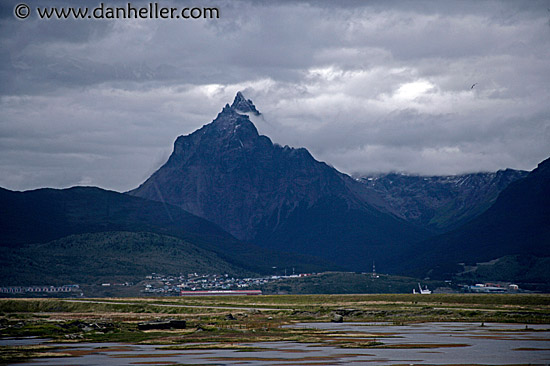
(221, 322)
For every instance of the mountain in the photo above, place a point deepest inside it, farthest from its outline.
(42, 215)
(529, 271)
(441, 203)
(106, 257)
(230, 200)
(517, 224)
(36, 225)
(277, 197)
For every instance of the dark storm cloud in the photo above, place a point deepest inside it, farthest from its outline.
(366, 86)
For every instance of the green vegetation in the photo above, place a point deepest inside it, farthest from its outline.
(106, 257)
(228, 321)
(21, 353)
(37, 226)
(529, 271)
(347, 283)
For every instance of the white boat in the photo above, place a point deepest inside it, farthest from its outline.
(422, 292)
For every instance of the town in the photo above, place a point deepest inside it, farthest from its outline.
(193, 282)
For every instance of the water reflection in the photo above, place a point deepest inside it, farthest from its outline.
(426, 343)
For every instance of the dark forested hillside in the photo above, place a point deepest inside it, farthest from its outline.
(518, 223)
(40, 221)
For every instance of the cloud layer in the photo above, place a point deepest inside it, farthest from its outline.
(366, 86)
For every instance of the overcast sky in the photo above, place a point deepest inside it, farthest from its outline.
(366, 86)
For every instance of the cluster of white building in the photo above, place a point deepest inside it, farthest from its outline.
(166, 284)
(493, 288)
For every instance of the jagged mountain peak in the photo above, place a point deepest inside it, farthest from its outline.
(243, 105)
(278, 197)
(229, 115)
(230, 123)
(228, 173)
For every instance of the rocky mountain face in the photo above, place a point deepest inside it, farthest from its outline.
(283, 199)
(517, 224)
(229, 174)
(441, 203)
(277, 200)
(278, 197)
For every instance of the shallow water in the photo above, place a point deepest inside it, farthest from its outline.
(444, 344)
(27, 341)
(457, 343)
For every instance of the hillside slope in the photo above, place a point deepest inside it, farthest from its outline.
(518, 223)
(47, 215)
(107, 257)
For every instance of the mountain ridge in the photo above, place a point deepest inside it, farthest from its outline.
(283, 199)
(33, 218)
(258, 191)
(518, 223)
(441, 203)
(255, 205)
(223, 148)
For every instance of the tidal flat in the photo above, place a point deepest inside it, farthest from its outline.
(271, 329)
